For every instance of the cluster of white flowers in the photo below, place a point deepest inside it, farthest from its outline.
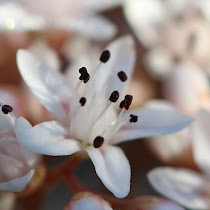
(87, 91)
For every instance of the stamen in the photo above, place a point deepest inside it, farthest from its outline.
(84, 75)
(114, 96)
(6, 109)
(129, 98)
(82, 101)
(98, 141)
(122, 76)
(126, 102)
(115, 126)
(82, 70)
(133, 118)
(105, 56)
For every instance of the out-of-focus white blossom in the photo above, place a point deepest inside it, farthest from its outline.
(76, 16)
(13, 17)
(87, 201)
(186, 186)
(172, 31)
(187, 87)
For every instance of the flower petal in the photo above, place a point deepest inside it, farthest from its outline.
(144, 16)
(45, 53)
(94, 27)
(159, 62)
(46, 138)
(188, 95)
(156, 119)
(15, 18)
(122, 58)
(182, 185)
(6, 123)
(87, 201)
(113, 168)
(48, 85)
(18, 184)
(201, 140)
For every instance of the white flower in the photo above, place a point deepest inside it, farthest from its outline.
(76, 15)
(17, 164)
(172, 31)
(186, 186)
(87, 201)
(87, 116)
(13, 17)
(187, 94)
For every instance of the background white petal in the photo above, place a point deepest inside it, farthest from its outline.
(159, 62)
(92, 202)
(188, 95)
(92, 27)
(46, 138)
(156, 119)
(50, 87)
(201, 140)
(182, 185)
(144, 16)
(113, 169)
(18, 184)
(13, 17)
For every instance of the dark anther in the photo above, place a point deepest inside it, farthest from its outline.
(105, 56)
(98, 141)
(133, 118)
(129, 98)
(82, 101)
(82, 70)
(84, 75)
(114, 96)
(122, 75)
(6, 109)
(126, 102)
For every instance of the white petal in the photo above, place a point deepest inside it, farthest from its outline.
(44, 52)
(159, 62)
(190, 94)
(15, 18)
(113, 168)
(205, 8)
(144, 16)
(18, 184)
(94, 202)
(50, 87)
(46, 138)
(6, 123)
(201, 140)
(182, 185)
(156, 119)
(122, 58)
(94, 27)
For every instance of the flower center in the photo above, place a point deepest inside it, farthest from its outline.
(90, 118)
